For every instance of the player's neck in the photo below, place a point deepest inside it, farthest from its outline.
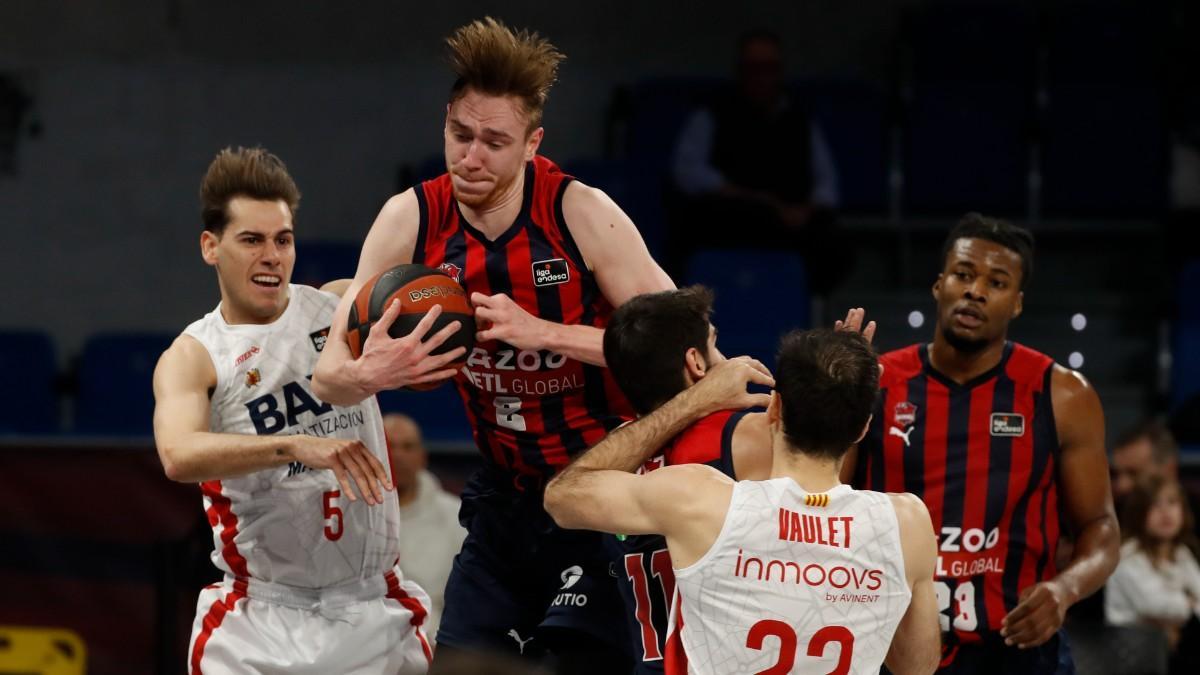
(499, 213)
(961, 366)
(813, 474)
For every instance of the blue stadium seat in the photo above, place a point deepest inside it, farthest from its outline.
(115, 396)
(853, 117)
(28, 404)
(629, 184)
(438, 412)
(760, 294)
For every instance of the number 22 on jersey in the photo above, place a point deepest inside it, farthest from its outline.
(788, 641)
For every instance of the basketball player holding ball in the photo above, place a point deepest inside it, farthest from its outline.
(544, 259)
(293, 486)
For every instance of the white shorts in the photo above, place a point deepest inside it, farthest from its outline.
(368, 627)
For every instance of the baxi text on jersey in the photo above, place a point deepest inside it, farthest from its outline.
(279, 410)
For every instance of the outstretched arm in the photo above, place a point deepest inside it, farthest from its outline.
(191, 453)
(627, 448)
(1087, 501)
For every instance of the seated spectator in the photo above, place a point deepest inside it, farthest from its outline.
(1148, 448)
(1158, 579)
(754, 160)
(430, 534)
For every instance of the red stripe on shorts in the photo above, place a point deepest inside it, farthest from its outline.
(397, 593)
(212, 621)
(222, 511)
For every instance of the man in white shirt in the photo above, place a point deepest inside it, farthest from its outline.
(430, 533)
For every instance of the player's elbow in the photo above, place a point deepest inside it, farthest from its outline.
(559, 503)
(174, 466)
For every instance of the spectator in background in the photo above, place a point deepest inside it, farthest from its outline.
(1158, 580)
(754, 159)
(430, 534)
(1146, 449)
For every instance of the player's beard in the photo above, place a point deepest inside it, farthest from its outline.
(963, 344)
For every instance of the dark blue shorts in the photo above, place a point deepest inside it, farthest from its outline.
(993, 656)
(521, 584)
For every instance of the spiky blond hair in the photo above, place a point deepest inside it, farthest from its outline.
(491, 58)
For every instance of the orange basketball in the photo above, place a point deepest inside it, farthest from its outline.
(418, 288)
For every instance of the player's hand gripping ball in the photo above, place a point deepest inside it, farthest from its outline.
(418, 288)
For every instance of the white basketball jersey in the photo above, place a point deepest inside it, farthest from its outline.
(795, 583)
(290, 525)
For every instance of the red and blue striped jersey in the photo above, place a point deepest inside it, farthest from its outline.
(982, 456)
(645, 577)
(530, 410)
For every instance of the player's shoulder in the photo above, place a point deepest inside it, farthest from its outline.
(1027, 364)
(402, 206)
(911, 512)
(581, 201)
(186, 359)
(901, 364)
(686, 477)
(1072, 396)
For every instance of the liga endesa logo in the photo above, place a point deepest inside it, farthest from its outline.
(813, 574)
(551, 272)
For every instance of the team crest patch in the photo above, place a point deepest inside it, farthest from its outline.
(451, 270)
(253, 377)
(905, 413)
(319, 338)
(551, 272)
(1008, 424)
